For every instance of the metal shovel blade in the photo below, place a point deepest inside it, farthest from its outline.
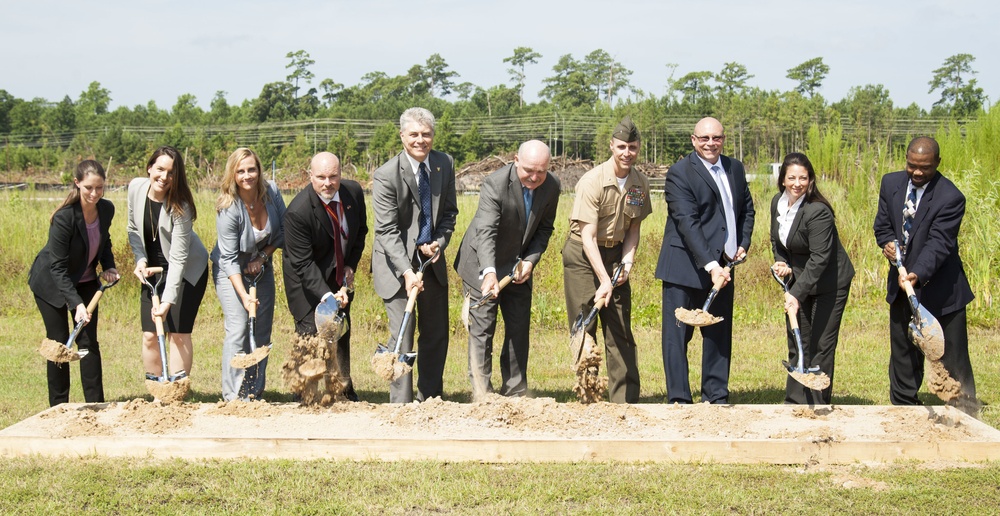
(928, 334)
(326, 312)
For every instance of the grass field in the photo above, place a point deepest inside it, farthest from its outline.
(105, 485)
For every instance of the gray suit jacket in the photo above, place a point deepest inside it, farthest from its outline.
(500, 232)
(396, 202)
(236, 245)
(185, 253)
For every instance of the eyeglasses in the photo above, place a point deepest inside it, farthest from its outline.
(706, 139)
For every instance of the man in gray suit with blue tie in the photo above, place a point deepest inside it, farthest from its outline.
(415, 210)
(517, 210)
(709, 222)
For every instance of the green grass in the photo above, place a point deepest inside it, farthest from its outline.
(95, 484)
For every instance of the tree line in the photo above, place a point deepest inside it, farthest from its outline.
(579, 102)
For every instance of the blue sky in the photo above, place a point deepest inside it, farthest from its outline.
(158, 50)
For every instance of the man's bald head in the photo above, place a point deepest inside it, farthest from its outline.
(708, 138)
(924, 145)
(532, 162)
(324, 174)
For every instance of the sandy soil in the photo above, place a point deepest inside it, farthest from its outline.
(57, 351)
(696, 317)
(500, 418)
(311, 370)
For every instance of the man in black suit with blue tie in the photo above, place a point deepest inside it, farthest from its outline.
(709, 222)
(923, 210)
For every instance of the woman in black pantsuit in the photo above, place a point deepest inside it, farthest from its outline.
(806, 246)
(64, 277)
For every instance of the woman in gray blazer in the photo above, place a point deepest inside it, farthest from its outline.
(161, 213)
(249, 227)
(806, 246)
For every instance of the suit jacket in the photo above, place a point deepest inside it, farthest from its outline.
(396, 203)
(695, 234)
(309, 260)
(932, 253)
(186, 255)
(500, 232)
(62, 262)
(813, 250)
(236, 245)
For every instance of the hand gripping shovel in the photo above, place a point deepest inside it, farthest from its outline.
(579, 327)
(925, 330)
(467, 304)
(700, 316)
(243, 360)
(161, 336)
(812, 377)
(392, 365)
(63, 353)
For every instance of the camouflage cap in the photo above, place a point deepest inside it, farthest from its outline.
(626, 131)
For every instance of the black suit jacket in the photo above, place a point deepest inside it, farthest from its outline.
(695, 233)
(932, 253)
(308, 259)
(813, 250)
(61, 263)
(500, 231)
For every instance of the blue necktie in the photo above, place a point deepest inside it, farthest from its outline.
(528, 194)
(425, 206)
(909, 209)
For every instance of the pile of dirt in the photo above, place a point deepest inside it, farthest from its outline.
(388, 367)
(590, 386)
(696, 317)
(169, 392)
(312, 372)
(244, 360)
(57, 352)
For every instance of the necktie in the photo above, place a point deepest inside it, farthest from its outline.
(528, 194)
(909, 209)
(723, 183)
(425, 206)
(333, 209)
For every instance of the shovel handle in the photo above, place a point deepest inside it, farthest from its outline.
(253, 305)
(412, 299)
(154, 270)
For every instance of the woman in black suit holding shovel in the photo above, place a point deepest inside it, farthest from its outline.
(806, 246)
(64, 277)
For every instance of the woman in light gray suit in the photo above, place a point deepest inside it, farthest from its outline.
(161, 214)
(249, 226)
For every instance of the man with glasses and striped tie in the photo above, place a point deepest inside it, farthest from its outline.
(923, 210)
(415, 210)
(709, 222)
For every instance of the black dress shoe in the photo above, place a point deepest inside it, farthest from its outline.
(351, 395)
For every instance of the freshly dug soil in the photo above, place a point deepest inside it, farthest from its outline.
(932, 343)
(388, 367)
(590, 386)
(940, 382)
(243, 361)
(312, 372)
(814, 381)
(57, 352)
(696, 317)
(169, 392)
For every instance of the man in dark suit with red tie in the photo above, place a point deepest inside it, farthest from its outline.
(923, 210)
(325, 228)
(413, 195)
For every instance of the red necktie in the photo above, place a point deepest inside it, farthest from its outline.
(338, 232)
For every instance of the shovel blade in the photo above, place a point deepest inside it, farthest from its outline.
(326, 312)
(408, 358)
(928, 334)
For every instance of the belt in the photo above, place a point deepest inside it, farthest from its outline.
(600, 243)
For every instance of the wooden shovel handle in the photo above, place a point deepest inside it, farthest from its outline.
(412, 300)
(253, 305)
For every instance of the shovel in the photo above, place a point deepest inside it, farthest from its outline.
(579, 327)
(925, 330)
(62, 353)
(812, 377)
(328, 315)
(411, 357)
(161, 335)
(467, 304)
(701, 317)
(243, 360)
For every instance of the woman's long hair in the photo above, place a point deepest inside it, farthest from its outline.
(179, 196)
(812, 193)
(84, 169)
(229, 191)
